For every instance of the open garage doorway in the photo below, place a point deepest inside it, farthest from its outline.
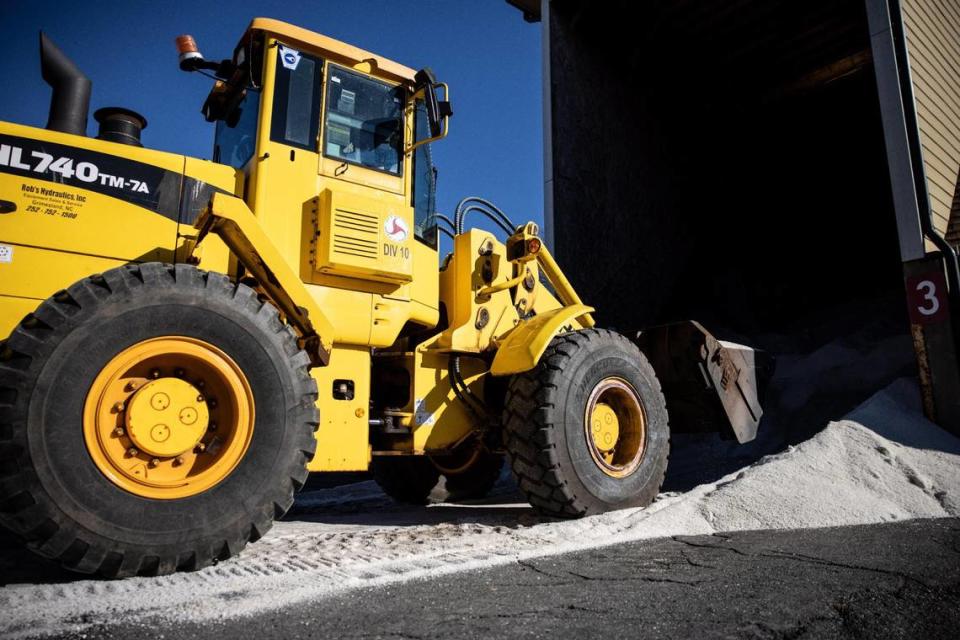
(726, 162)
(721, 161)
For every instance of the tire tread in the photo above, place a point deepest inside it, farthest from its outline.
(46, 529)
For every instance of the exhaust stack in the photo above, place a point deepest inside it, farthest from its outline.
(70, 101)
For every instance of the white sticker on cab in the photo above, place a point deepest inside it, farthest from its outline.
(6, 253)
(289, 57)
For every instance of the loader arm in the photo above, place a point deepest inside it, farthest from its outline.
(231, 219)
(565, 291)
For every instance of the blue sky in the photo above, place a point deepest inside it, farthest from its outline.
(482, 48)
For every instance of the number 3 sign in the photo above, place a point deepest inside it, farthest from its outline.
(927, 297)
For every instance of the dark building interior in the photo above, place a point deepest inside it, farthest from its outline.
(722, 161)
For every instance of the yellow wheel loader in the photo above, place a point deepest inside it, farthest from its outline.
(183, 341)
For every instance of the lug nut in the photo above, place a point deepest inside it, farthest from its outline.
(118, 407)
(199, 398)
(132, 452)
(179, 373)
(118, 431)
(154, 462)
(201, 384)
(178, 460)
(132, 385)
(155, 374)
(212, 426)
(213, 403)
(200, 448)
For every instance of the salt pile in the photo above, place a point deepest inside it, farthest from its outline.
(882, 462)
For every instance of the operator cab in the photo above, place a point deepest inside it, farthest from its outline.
(367, 119)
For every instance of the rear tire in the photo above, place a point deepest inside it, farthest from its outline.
(556, 461)
(470, 479)
(406, 479)
(55, 492)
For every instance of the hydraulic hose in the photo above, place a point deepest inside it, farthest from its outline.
(462, 391)
(483, 205)
(496, 220)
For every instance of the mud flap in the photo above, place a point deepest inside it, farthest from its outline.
(709, 384)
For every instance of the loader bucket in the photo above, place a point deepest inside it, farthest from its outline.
(709, 384)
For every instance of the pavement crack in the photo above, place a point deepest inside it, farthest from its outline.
(799, 557)
(536, 569)
(690, 543)
(842, 565)
(690, 561)
(576, 607)
(637, 578)
(394, 634)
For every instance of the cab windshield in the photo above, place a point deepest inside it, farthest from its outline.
(363, 121)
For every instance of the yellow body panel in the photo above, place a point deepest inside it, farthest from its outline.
(69, 217)
(63, 228)
(521, 350)
(39, 273)
(343, 441)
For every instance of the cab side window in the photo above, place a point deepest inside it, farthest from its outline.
(296, 101)
(424, 182)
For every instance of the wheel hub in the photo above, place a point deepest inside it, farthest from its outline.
(605, 426)
(166, 417)
(616, 427)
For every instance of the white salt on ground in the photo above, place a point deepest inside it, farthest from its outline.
(882, 462)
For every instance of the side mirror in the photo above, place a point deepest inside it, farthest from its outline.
(437, 110)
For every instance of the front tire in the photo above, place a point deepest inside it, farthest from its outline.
(104, 479)
(470, 474)
(586, 430)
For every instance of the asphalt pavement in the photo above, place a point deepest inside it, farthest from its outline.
(895, 580)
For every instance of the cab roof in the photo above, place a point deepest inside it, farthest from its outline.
(332, 49)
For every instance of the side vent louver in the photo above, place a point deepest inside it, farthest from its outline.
(349, 239)
(355, 234)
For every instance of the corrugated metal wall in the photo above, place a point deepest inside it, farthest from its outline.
(933, 39)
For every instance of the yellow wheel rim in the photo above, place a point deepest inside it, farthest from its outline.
(615, 427)
(168, 418)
